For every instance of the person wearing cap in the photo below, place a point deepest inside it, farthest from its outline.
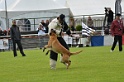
(58, 24)
(41, 34)
(117, 30)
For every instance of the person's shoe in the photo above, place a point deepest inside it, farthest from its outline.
(120, 51)
(87, 45)
(15, 56)
(52, 64)
(53, 68)
(77, 46)
(23, 55)
(111, 50)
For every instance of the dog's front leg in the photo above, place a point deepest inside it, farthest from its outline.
(46, 46)
(44, 49)
(47, 52)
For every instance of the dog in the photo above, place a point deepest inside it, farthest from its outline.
(54, 45)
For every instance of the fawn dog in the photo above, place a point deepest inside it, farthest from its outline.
(54, 45)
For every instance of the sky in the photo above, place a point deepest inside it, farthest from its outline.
(10, 2)
(61, 2)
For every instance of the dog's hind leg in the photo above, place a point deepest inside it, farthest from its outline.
(68, 64)
(66, 61)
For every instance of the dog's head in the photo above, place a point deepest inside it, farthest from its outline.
(53, 32)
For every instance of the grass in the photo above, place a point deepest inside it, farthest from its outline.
(94, 64)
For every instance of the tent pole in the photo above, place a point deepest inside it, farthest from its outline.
(6, 13)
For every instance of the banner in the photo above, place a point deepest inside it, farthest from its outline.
(118, 9)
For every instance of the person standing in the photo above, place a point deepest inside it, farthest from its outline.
(117, 30)
(72, 24)
(16, 38)
(110, 17)
(58, 24)
(46, 26)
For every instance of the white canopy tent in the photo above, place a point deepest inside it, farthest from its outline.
(18, 9)
(49, 8)
(77, 7)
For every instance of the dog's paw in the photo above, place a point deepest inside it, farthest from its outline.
(47, 52)
(44, 49)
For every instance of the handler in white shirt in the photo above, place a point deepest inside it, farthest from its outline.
(59, 25)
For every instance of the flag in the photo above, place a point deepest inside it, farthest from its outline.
(118, 8)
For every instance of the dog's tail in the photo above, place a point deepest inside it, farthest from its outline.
(74, 53)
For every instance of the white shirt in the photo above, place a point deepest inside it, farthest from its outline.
(41, 32)
(56, 25)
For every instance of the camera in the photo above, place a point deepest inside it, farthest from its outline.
(106, 9)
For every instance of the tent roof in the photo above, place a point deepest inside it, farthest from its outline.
(20, 7)
(77, 7)
(29, 5)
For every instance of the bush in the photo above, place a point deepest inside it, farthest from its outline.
(78, 27)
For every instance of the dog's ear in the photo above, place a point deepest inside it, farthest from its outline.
(52, 30)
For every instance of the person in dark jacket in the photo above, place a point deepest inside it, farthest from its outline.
(117, 29)
(46, 26)
(16, 38)
(60, 26)
(110, 17)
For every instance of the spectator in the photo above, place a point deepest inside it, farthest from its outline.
(1, 32)
(41, 34)
(5, 32)
(58, 24)
(117, 29)
(16, 38)
(110, 17)
(43, 23)
(87, 32)
(72, 24)
(8, 31)
(90, 23)
(46, 26)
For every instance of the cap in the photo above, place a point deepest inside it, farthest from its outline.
(118, 14)
(62, 16)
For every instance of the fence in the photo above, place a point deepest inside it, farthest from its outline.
(31, 24)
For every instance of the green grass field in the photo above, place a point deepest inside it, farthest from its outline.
(94, 64)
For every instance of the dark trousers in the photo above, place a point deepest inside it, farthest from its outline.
(18, 42)
(54, 55)
(119, 40)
